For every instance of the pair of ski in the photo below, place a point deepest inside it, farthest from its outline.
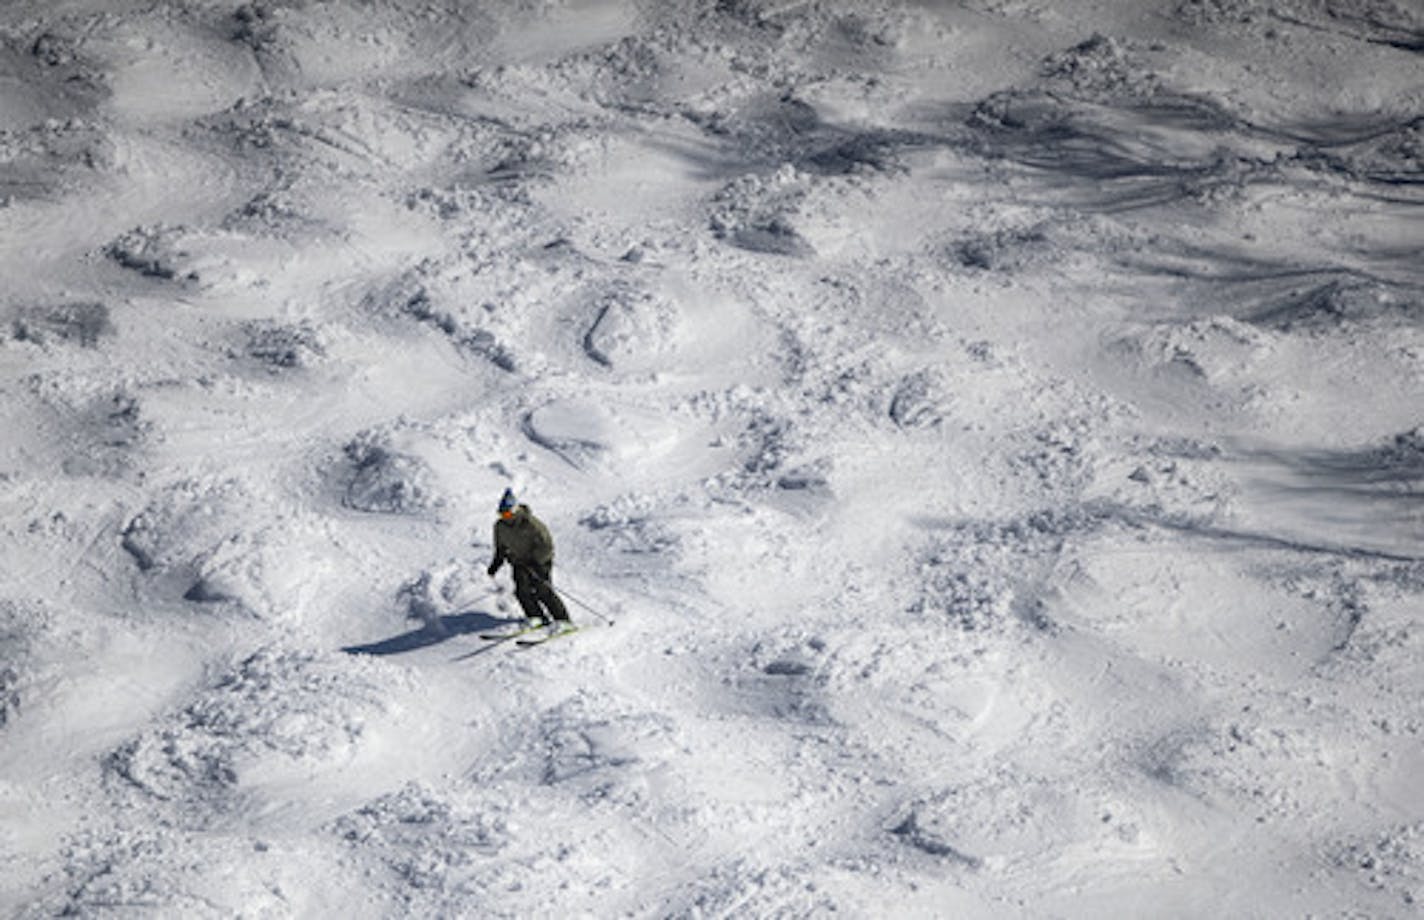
(529, 634)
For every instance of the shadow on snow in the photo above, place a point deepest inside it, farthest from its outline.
(446, 627)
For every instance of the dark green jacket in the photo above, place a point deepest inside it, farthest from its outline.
(523, 540)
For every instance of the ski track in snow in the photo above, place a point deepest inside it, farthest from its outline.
(994, 429)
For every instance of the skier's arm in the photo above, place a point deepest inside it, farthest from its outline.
(498, 559)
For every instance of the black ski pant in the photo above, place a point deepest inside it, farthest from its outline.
(534, 589)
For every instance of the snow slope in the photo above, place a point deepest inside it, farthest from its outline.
(991, 428)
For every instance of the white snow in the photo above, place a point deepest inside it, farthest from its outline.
(983, 442)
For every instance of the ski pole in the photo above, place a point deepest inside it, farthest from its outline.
(566, 594)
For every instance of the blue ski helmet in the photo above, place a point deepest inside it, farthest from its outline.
(507, 501)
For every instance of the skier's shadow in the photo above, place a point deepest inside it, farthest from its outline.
(447, 627)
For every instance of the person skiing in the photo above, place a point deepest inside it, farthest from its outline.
(524, 542)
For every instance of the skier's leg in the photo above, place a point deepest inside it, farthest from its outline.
(547, 596)
(526, 591)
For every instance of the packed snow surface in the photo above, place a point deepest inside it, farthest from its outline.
(984, 442)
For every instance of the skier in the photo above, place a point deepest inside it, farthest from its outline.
(522, 539)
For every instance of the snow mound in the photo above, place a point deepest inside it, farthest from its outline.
(1391, 862)
(41, 159)
(101, 423)
(595, 754)
(1326, 308)
(742, 885)
(155, 252)
(919, 400)
(423, 840)
(21, 626)
(1266, 764)
(199, 542)
(1217, 349)
(1008, 250)
(586, 432)
(986, 575)
(1098, 66)
(82, 323)
(138, 871)
(279, 713)
(386, 481)
(278, 346)
(637, 526)
(757, 213)
(633, 328)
